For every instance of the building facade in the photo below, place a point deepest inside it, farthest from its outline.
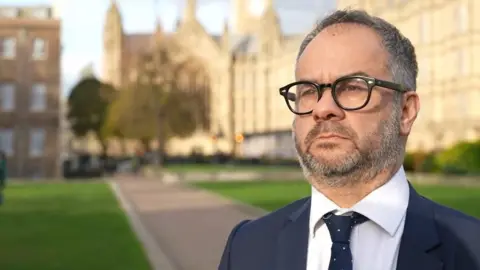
(30, 91)
(247, 64)
(444, 33)
(242, 70)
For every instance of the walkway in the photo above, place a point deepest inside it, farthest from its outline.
(182, 228)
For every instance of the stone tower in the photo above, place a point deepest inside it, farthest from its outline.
(113, 46)
(190, 10)
(242, 17)
(244, 21)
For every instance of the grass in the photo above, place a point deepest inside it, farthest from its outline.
(74, 226)
(214, 168)
(274, 195)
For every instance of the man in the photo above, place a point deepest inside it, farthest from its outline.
(355, 103)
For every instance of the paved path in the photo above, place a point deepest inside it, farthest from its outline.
(181, 227)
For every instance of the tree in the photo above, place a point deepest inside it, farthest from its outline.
(113, 122)
(154, 106)
(88, 102)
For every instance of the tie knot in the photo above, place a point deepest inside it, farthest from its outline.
(340, 227)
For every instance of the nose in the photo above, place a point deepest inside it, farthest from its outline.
(326, 108)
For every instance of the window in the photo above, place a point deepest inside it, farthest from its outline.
(6, 141)
(462, 104)
(40, 13)
(438, 106)
(38, 99)
(462, 62)
(424, 71)
(8, 12)
(8, 47)
(461, 17)
(37, 142)
(7, 97)
(424, 29)
(427, 108)
(266, 48)
(39, 49)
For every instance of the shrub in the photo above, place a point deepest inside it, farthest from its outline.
(429, 164)
(420, 162)
(461, 158)
(408, 162)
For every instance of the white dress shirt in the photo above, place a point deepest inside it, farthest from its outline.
(375, 243)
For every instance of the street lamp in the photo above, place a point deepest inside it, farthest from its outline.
(239, 138)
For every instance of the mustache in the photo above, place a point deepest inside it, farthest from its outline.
(328, 128)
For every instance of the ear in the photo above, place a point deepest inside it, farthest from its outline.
(410, 110)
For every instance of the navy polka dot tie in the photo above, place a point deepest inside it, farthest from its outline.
(340, 228)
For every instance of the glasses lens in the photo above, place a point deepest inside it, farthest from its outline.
(351, 93)
(302, 97)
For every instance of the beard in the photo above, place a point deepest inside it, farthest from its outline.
(377, 151)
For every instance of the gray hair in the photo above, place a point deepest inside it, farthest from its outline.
(402, 61)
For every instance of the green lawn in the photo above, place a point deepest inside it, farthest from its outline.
(273, 195)
(212, 168)
(66, 226)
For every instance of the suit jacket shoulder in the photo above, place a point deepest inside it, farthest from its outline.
(438, 237)
(254, 240)
(435, 237)
(460, 233)
(454, 219)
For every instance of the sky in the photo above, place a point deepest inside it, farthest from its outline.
(83, 21)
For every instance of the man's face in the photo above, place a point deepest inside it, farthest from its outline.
(333, 143)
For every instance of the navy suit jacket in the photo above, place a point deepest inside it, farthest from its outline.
(435, 237)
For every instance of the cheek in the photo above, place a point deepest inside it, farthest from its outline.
(364, 127)
(302, 126)
(380, 101)
(376, 101)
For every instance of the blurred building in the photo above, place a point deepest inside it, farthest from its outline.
(66, 134)
(30, 91)
(241, 69)
(444, 35)
(244, 67)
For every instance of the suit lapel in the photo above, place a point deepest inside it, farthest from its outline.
(293, 240)
(419, 237)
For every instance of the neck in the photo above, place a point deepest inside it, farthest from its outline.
(348, 195)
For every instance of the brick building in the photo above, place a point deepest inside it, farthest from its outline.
(30, 91)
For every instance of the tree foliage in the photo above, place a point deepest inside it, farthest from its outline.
(88, 104)
(181, 118)
(154, 106)
(111, 126)
(135, 114)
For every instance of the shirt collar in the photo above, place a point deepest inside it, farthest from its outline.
(386, 206)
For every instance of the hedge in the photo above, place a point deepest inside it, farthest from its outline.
(461, 158)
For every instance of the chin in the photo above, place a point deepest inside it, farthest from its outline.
(332, 160)
(333, 154)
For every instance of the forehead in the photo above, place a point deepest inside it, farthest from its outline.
(342, 49)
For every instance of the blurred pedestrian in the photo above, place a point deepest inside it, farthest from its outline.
(136, 162)
(3, 175)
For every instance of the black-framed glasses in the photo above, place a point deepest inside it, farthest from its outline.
(350, 93)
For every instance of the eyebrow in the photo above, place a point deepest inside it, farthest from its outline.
(356, 73)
